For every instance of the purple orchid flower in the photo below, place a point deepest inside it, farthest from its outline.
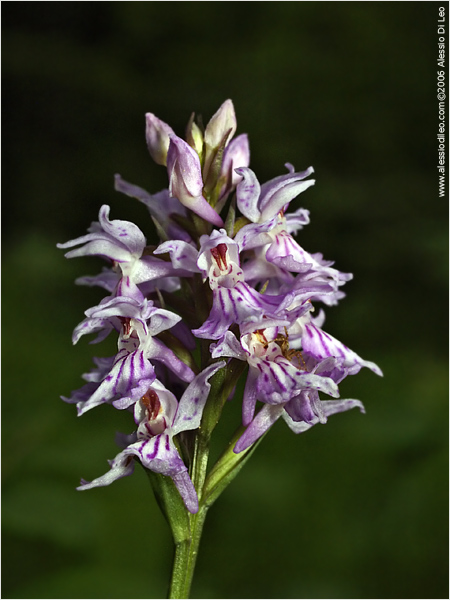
(123, 243)
(123, 384)
(305, 333)
(131, 371)
(315, 410)
(159, 418)
(304, 409)
(276, 375)
(234, 300)
(320, 345)
(265, 206)
(259, 203)
(95, 376)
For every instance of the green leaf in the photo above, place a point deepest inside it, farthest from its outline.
(160, 230)
(179, 349)
(171, 505)
(215, 167)
(231, 217)
(226, 469)
(222, 384)
(239, 224)
(186, 224)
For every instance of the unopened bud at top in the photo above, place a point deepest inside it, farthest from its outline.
(223, 121)
(218, 132)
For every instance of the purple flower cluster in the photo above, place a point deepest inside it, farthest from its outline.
(238, 286)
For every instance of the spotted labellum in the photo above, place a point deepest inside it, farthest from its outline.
(225, 295)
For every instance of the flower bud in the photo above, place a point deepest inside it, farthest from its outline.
(194, 136)
(223, 121)
(157, 135)
(218, 132)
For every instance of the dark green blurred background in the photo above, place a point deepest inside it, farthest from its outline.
(355, 509)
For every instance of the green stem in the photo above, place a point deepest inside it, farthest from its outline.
(186, 549)
(187, 535)
(186, 552)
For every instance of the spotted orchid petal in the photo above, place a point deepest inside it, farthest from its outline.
(329, 407)
(266, 417)
(237, 304)
(156, 350)
(280, 191)
(258, 271)
(296, 220)
(82, 394)
(149, 268)
(102, 367)
(306, 407)
(116, 239)
(236, 155)
(157, 454)
(247, 194)
(228, 346)
(112, 311)
(187, 490)
(250, 397)
(159, 419)
(127, 381)
(255, 235)
(107, 280)
(121, 306)
(280, 380)
(218, 255)
(320, 345)
(269, 414)
(121, 466)
(192, 403)
(182, 254)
